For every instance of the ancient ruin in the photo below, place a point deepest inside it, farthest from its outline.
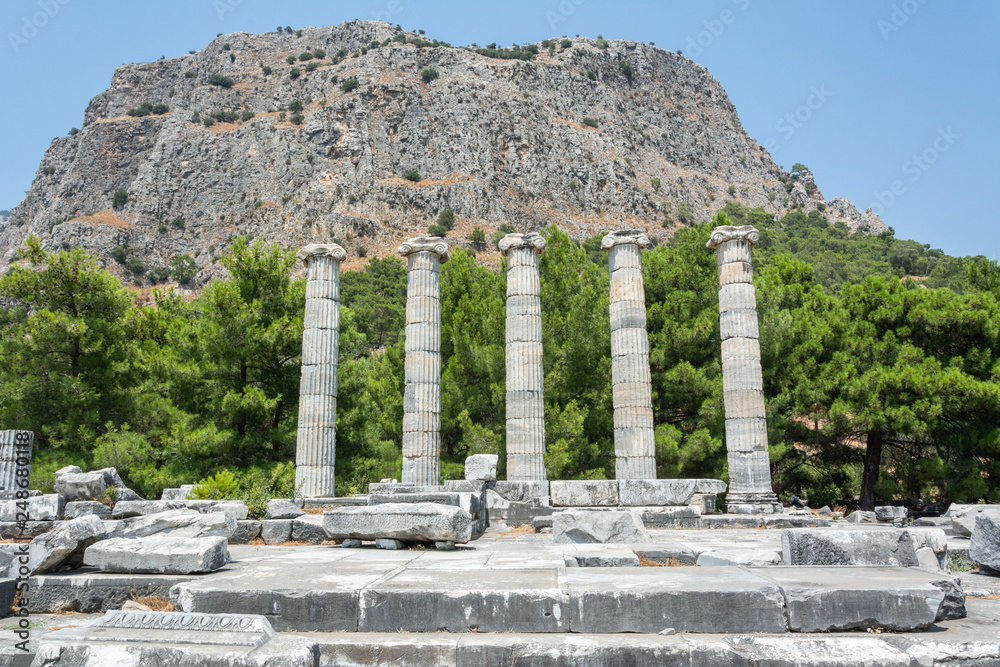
(422, 398)
(635, 444)
(525, 371)
(742, 382)
(316, 441)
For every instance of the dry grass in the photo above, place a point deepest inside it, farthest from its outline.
(295, 543)
(315, 511)
(155, 602)
(995, 596)
(517, 531)
(258, 542)
(106, 217)
(649, 562)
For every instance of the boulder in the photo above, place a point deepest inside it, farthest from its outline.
(276, 531)
(90, 485)
(158, 555)
(78, 508)
(884, 547)
(246, 531)
(179, 523)
(598, 526)
(985, 546)
(859, 516)
(63, 546)
(409, 522)
(963, 517)
(890, 513)
(49, 507)
(282, 508)
(309, 528)
(481, 468)
(180, 493)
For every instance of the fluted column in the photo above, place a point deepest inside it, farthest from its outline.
(635, 445)
(422, 394)
(316, 441)
(525, 376)
(742, 382)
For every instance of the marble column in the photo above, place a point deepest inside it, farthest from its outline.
(525, 375)
(316, 442)
(422, 394)
(635, 445)
(15, 454)
(742, 382)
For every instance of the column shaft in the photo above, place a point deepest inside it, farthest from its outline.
(525, 372)
(742, 379)
(635, 444)
(316, 442)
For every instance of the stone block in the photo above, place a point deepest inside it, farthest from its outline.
(517, 513)
(179, 523)
(985, 546)
(80, 508)
(890, 513)
(521, 490)
(655, 492)
(890, 548)
(122, 638)
(584, 493)
(746, 435)
(728, 521)
(180, 493)
(237, 509)
(714, 486)
(64, 545)
(246, 531)
(276, 531)
(418, 522)
(593, 556)
(697, 599)
(309, 528)
(49, 507)
(859, 516)
(963, 517)
(739, 557)
(282, 508)
(158, 555)
(832, 599)
(705, 502)
(481, 467)
(86, 485)
(470, 502)
(599, 527)
(17, 530)
(668, 518)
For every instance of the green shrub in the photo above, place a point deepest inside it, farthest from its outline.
(311, 67)
(266, 70)
(626, 68)
(446, 219)
(190, 74)
(291, 60)
(319, 53)
(136, 265)
(297, 119)
(162, 228)
(306, 55)
(731, 190)
(119, 199)
(478, 237)
(119, 254)
(177, 223)
(246, 115)
(592, 75)
(232, 57)
(48, 170)
(143, 109)
(362, 251)
(798, 166)
(208, 121)
(437, 230)
(565, 44)
(349, 84)
(221, 80)
(771, 196)
(227, 46)
(183, 269)
(655, 182)
(821, 206)
(589, 122)
(225, 116)
(412, 174)
(73, 131)
(685, 213)
(601, 42)
(294, 73)
(429, 75)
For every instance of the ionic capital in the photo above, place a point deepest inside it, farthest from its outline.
(529, 240)
(321, 250)
(624, 237)
(434, 244)
(726, 233)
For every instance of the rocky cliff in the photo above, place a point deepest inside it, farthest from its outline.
(593, 136)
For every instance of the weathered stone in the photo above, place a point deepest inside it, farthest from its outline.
(890, 513)
(419, 522)
(655, 492)
(831, 600)
(963, 517)
(24, 530)
(739, 557)
(309, 528)
(63, 547)
(985, 546)
(590, 556)
(470, 502)
(158, 554)
(122, 638)
(584, 493)
(179, 523)
(351, 544)
(391, 545)
(180, 493)
(596, 526)
(8, 590)
(237, 509)
(80, 508)
(709, 486)
(481, 467)
(664, 518)
(90, 485)
(276, 531)
(15, 454)
(282, 508)
(246, 531)
(859, 516)
(521, 491)
(49, 507)
(896, 548)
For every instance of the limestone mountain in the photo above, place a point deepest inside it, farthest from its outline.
(363, 133)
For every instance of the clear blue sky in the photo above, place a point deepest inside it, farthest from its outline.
(903, 93)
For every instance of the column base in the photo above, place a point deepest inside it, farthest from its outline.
(752, 503)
